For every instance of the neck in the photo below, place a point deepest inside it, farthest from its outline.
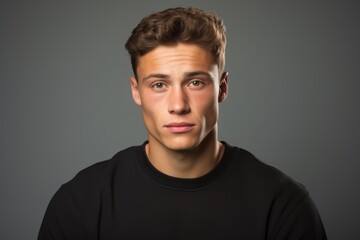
(190, 163)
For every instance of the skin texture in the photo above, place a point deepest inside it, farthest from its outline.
(179, 88)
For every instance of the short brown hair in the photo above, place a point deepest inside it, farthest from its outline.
(178, 25)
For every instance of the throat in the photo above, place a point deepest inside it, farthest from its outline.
(192, 163)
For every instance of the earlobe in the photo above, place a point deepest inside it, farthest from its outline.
(135, 90)
(223, 87)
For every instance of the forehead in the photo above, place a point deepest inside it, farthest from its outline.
(180, 56)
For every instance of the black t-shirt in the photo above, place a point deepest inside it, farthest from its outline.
(127, 198)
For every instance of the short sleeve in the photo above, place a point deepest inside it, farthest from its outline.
(302, 222)
(59, 222)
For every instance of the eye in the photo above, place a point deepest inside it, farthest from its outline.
(196, 83)
(158, 85)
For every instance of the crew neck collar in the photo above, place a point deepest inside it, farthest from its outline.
(186, 184)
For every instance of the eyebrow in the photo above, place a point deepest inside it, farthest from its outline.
(186, 74)
(191, 74)
(155, 75)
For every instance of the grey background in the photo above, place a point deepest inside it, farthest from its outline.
(66, 104)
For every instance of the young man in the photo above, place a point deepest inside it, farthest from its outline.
(182, 183)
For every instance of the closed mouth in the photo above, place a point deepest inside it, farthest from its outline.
(179, 127)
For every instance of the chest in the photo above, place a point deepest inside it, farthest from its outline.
(156, 212)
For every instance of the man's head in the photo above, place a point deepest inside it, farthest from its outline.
(178, 25)
(178, 60)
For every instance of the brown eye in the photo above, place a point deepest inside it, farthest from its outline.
(158, 85)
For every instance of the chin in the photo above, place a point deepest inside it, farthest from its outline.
(181, 144)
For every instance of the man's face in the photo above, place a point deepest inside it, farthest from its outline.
(179, 89)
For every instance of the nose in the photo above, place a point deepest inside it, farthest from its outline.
(178, 101)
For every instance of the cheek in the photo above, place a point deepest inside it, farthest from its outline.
(152, 98)
(207, 104)
(152, 105)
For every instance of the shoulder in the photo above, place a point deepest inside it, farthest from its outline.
(290, 209)
(75, 206)
(271, 181)
(99, 174)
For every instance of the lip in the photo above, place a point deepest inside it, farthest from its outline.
(179, 127)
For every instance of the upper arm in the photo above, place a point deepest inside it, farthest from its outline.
(302, 221)
(59, 222)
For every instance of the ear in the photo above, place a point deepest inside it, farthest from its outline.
(135, 90)
(223, 87)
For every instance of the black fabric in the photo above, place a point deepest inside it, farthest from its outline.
(127, 198)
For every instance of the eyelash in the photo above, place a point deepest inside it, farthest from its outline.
(196, 81)
(156, 85)
(192, 83)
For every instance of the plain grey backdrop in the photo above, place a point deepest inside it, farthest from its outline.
(66, 104)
